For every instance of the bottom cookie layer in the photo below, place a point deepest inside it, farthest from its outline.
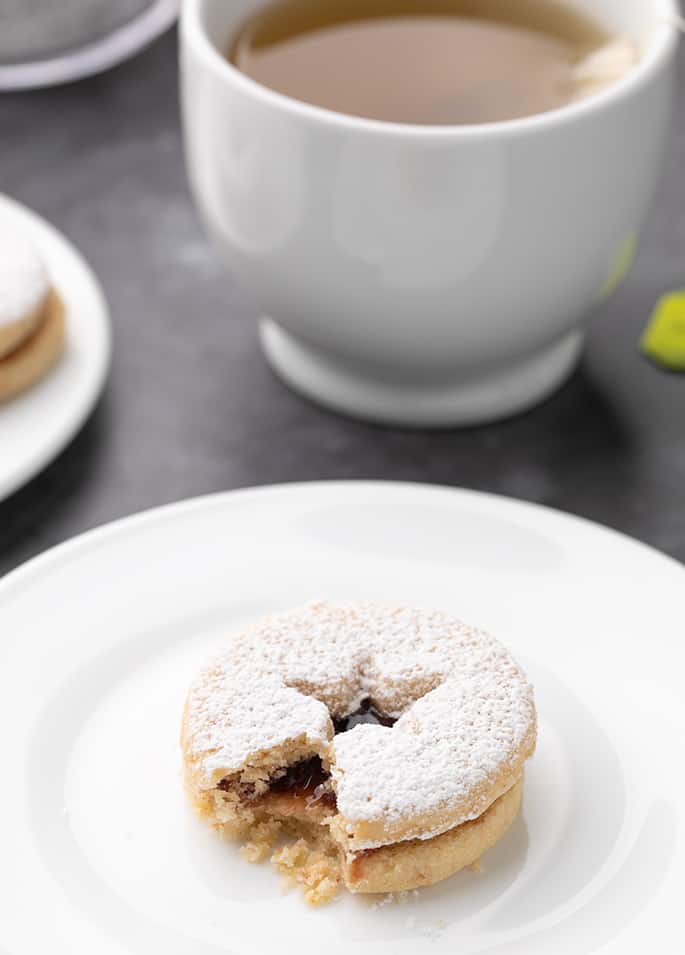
(12, 335)
(36, 355)
(311, 857)
(418, 862)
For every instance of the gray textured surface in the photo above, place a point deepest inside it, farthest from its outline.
(191, 407)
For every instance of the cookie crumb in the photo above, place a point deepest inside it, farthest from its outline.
(384, 900)
(314, 870)
(263, 836)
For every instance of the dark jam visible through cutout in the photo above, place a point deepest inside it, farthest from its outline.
(367, 713)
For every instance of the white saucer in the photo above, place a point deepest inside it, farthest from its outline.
(122, 43)
(100, 637)
(37, 425)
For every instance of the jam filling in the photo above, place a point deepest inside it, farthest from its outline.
(302, 777)
(308, 779)
(367, 713)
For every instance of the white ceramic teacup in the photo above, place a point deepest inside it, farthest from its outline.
(424, 275)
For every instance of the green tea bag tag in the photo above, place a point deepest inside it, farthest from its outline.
(664, 337)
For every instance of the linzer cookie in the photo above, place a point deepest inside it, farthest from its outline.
(31, 316)
(386, 745)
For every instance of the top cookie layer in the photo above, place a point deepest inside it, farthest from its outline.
(466, 713)
(24, 282)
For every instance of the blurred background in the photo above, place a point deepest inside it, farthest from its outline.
(190, 406)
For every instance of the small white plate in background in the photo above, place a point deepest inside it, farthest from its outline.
(37, 425)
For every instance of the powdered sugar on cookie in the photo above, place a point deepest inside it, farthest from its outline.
(24, 282)
(466, 717)
(236, 713)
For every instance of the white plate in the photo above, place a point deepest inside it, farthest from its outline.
(119, 45)
(36, 426)
(100, 637)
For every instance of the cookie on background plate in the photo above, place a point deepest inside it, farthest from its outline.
(32, 321)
